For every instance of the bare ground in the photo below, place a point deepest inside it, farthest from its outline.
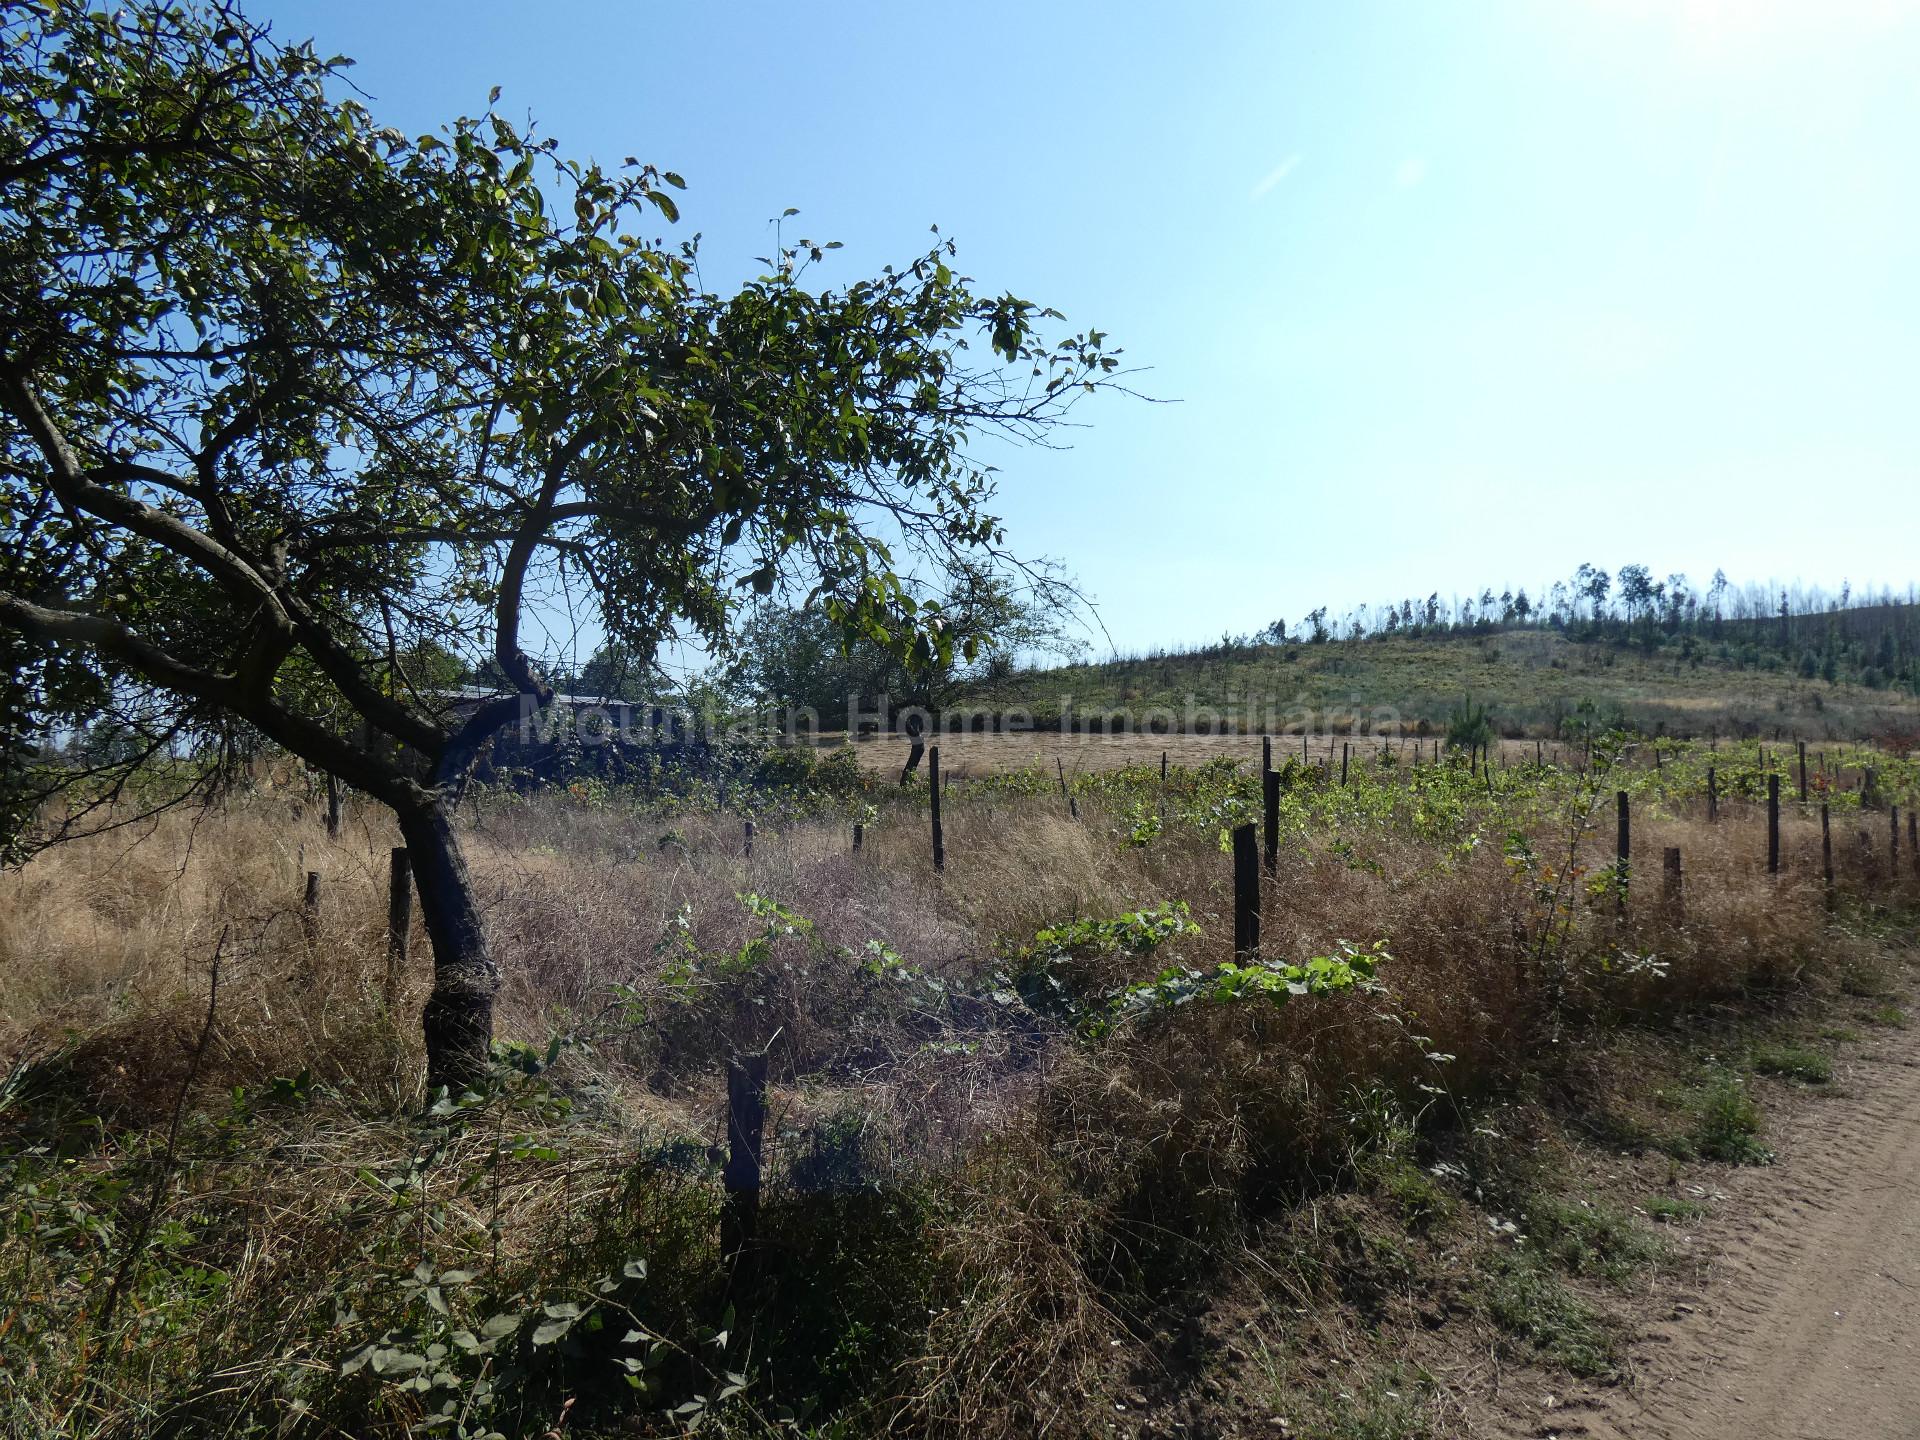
(1806, 1324)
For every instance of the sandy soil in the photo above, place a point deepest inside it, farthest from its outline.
(1807, 1325)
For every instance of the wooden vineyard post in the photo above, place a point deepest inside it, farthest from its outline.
(1671, 887)
(1346, 749)
(310, 909)
(859, 835)
(1246, 893)
(1163, 768)
(1913, 841)
(1713, 793)
(746, 838)
(399, 919)
(1803, 772)
(1893, 853)
(746, 1127)
(1773, 824)
(1270, 787)
(1622, 851)
(933, 789)
(1073, 806)
(333, 808)
(1266, 754)
(1826, 849)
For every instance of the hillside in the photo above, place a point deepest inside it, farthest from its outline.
(1535, 681)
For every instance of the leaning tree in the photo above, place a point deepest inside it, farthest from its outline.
(290, 400)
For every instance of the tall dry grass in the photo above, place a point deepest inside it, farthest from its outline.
(1038, 1196)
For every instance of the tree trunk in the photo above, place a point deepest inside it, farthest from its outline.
(459, 1016)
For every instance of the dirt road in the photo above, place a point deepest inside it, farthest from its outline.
(1808, 1324)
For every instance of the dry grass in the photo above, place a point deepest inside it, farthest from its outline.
(1040, 1198)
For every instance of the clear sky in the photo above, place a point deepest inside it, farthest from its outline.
(1447, 294)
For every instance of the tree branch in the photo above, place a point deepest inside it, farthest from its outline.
(71, 482)
(311, 742)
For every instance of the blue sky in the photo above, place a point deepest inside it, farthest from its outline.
(1446, 294)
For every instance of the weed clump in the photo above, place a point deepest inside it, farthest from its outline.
(1793, 1062)
(1729, 1124)
(1526, 1299)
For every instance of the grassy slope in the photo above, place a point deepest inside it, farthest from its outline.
(1529, 678)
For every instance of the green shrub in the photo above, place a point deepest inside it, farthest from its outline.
(1730, 1124)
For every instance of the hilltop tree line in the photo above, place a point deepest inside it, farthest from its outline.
(1866, 636)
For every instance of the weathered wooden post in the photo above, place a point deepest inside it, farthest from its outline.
(1671, 888)
(1346, 749)
(334, 807)
(933, 789)
(1246, 893)
(399, 918)
(740, 1178)
(1803, 772)
(1893, 853)
(1826, 849)
(1539, 754)
(746, 837)
(1073, 806)
(1266, 753)
(1163, 768)
(310, 909)
(1270, 787)
(1713, 794)
(859, 835)
(1622, 851)
(1773, 824)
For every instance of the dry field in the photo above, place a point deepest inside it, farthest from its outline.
(988, 1213)
(967, 755)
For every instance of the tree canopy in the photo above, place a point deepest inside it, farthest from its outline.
(795, 658)
(289, 398)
